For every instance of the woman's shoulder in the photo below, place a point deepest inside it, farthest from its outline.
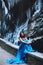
(26, 38)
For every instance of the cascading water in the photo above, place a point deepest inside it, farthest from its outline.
(14, 37)
(38, 6)
(35, 27)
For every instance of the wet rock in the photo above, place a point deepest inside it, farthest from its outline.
(35, 29)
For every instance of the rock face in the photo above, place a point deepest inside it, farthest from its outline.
(35, 29)
(14, 16)
(14, 19)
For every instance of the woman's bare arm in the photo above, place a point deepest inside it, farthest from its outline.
(24, 41)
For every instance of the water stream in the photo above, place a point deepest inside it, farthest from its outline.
(14, 37)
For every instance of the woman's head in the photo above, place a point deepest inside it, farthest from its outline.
(22, 35)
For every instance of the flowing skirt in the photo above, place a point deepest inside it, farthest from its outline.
(21, 54)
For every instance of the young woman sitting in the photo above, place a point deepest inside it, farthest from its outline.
(24, 47)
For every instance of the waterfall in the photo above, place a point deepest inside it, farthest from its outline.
(38, 5)
(4, 7)
(14, 37)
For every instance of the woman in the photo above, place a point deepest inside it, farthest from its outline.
(24, 48)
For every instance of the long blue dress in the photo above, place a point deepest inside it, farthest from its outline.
(21, 54)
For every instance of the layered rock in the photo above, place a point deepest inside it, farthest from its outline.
(35, 30)
(16, 15)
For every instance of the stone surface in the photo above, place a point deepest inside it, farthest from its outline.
(35, 29)
(4, 55)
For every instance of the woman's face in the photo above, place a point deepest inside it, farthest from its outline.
(22, 35)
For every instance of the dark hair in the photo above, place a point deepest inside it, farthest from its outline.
(22, 36)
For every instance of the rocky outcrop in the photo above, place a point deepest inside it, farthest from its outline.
(16, 16)
(35, 29)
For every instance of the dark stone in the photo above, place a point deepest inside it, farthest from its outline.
(36, 31)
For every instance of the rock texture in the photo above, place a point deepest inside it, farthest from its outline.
(35, 29)
(14, 14)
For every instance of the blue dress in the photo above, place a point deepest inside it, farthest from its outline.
(21, 54)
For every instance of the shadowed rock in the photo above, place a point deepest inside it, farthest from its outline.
(35, 29)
